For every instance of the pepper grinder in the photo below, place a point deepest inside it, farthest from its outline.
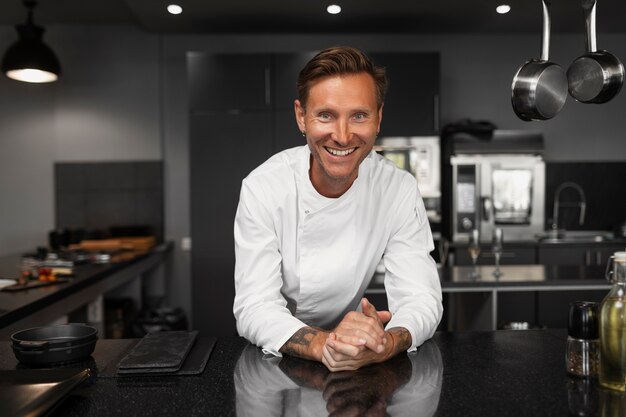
(583, 345)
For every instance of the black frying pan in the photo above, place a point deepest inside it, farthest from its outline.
(597, 76)
(539, 87)
(54, 344)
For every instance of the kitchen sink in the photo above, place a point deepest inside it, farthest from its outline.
(576, 236)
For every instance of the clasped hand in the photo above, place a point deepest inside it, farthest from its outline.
(358, 340)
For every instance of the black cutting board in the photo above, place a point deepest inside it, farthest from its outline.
(159, 352)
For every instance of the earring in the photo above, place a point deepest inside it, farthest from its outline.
(303, 133)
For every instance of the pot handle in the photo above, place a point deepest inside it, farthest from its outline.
(545, 40)
(33, 352)
(33, 343)
(589, 10)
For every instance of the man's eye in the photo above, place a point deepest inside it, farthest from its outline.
(324, 116)
(360, 116)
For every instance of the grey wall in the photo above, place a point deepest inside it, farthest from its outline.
(124, 97)
(105, 107)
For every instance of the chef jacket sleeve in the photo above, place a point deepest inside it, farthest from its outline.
(411, 280)
(260, 309)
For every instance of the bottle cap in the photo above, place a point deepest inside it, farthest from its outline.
(583, 320)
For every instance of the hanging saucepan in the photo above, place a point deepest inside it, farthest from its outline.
(539, 88)
(597, 76)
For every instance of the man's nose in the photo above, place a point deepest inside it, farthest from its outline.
(342, 133)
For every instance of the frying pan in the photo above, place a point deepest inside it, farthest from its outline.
(539, 87)
(54, 344)
(597, 76)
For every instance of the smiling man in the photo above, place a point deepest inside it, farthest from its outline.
(314, 221)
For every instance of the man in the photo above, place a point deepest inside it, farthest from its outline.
(313, 222)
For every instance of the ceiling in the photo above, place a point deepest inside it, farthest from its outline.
(309, 16)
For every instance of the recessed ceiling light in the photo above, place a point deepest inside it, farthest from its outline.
(174, 9)
(503, 8)
(334, 9)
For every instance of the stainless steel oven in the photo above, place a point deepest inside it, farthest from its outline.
(497, 191)
(420, 155)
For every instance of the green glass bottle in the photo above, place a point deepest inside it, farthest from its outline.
(613, 327)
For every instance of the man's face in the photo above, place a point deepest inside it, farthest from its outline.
(341, 121)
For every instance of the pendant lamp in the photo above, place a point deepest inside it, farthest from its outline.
(29, 59)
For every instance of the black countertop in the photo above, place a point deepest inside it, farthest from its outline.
(503, 373)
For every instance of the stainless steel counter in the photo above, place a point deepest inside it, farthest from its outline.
(456, 281)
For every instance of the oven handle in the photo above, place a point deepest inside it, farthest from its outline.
(487, 207)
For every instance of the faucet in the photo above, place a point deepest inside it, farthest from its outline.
(582, 204)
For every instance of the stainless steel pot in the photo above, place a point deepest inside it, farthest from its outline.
(597, 76)
(539, 87)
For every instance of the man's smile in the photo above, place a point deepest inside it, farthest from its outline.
(339, 152)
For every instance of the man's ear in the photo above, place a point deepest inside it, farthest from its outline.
(380, 116)
(299, 112)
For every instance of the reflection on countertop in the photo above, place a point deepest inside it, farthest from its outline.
(273, 386)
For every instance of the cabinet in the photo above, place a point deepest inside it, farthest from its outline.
(229, 82)
(412, 101)
(285, 70)
(596, 254)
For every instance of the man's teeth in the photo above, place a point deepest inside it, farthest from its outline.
(338, 152)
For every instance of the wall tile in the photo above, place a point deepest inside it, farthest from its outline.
(148, 175)
(110, 176)
(70, 210)
(96, 196)
(70, 177)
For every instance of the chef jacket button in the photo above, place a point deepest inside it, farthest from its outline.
(306, 211)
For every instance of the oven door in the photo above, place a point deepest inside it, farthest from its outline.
(466, 183)
(512, 196)
(497, 191)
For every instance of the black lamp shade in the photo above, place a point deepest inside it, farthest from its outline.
(29, 55)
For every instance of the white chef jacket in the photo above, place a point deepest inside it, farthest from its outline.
(304, 259)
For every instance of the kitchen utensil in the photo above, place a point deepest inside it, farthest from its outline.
(6, 282)
(54, 344)
(539, 87)
(596, 76)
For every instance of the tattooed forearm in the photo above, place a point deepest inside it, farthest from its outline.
(402, 339)
(301, 344)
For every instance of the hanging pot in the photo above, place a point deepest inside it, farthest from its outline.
(539, 87)
(597, 76)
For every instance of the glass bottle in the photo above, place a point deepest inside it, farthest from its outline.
(496, 248)
(474, 250)
(583, 346)
(613, 327)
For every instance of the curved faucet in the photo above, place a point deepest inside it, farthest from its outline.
(582, 204)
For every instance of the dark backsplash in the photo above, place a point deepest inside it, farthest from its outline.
(98, 195)
(605, 191)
